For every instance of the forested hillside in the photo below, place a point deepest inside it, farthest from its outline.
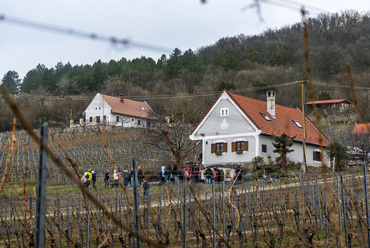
(246, 64)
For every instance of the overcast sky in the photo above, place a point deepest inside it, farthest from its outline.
(183, 24)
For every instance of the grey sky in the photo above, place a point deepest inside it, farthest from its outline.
(167, 23)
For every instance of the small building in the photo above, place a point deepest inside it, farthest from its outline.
(237, 129)
(118, 111)
(340, 104)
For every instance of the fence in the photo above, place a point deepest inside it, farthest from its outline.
(245, 215)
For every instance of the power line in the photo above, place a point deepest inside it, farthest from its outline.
(287, 4)
(81, 34)
(342, 86)
(306, 6)
(191, 95)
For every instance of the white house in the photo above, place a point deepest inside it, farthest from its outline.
(237, 128)
(118, 111)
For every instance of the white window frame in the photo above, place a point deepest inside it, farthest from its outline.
(297, 124)
(224, 112)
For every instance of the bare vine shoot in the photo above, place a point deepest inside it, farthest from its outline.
(298, 211)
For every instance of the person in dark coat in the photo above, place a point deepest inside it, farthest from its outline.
(146, 187)
(93, 178)
(167, 173)
(106, 179)
(209, 174)
(238, 174)
(195, 173)
(139, 175)
(125, 176)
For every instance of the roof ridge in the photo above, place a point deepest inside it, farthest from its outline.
(263, 101)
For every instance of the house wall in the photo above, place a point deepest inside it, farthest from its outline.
(129, 121)
(98, 107)
(226, 128)
(296, 155)
(229, 156)
(219, 125)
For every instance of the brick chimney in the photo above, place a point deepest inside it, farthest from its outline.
(271, 95)
(122, 99)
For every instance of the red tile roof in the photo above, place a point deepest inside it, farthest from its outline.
(362, 128)
(329, 101)
(283, 123)
(130, 107)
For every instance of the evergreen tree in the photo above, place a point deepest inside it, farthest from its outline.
(12, 82)
(338, 151)
(282, 146)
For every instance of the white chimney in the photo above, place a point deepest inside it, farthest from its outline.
(271, 103)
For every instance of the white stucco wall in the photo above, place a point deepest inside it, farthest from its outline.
(129, 121)
(98, 107)
(215, 124)
(296, 155)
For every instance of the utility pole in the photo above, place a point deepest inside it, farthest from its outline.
(304, 165)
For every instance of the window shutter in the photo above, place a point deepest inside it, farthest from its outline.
(314, 156)
(213, 148)
(321, 158)
(245, 145)
(233, 146)
(225, 147)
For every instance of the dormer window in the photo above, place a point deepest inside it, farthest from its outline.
(224, 112)
(265, 116)
(297, 123)
(142, 108)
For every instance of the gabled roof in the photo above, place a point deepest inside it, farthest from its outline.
(284, 121)
(329, 101)
(129, 107)
(362, 128)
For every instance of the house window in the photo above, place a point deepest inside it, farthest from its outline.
(96, 108)
(264, 148)
(148, 124)
(317, 156)
(90, 119)
(138, 122)
(297, 123)
(224, 112)
(117, 118)
(132, 119)
(265, 116)
(97, 119)
(99, 108)
(239, 146)
(218, 148)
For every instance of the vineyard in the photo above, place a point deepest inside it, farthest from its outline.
(86, 149)
(301, 210)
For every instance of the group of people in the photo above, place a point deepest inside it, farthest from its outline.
(173, 175)
(88, 178)
(169, 175)
(127, 177)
